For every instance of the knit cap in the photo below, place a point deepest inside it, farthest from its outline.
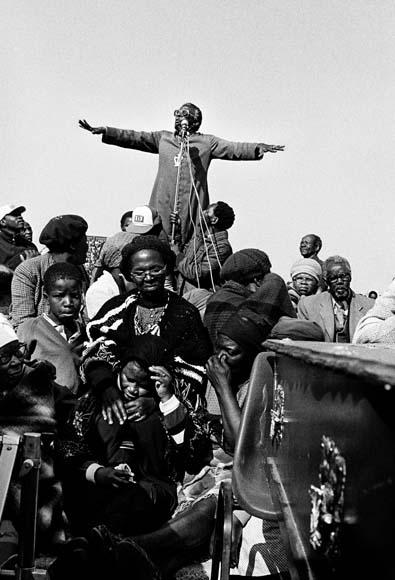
(245, 264)
(307, 266)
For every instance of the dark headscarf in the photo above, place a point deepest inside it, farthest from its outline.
(245, 332)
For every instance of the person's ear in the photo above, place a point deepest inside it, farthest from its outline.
(2, 222)
(214, 220)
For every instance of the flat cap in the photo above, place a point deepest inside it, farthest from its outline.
(63, 230)
(245, 264)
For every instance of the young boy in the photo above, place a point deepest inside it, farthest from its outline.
(122, 474)
(57, 336)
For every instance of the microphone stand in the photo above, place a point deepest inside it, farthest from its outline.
(177, 162)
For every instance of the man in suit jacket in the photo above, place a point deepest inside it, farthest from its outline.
(338, 309)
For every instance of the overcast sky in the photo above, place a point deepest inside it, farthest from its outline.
(315, 75)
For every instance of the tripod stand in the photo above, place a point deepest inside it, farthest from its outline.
(30, 446)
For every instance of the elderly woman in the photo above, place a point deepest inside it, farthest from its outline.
(306, 275)
(149, 309)
(65, 238)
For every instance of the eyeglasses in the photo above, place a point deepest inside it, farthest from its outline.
(340, 277)
(181, 113)
(19, 352)
(154, 272)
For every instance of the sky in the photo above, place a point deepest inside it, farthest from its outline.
(317, 76)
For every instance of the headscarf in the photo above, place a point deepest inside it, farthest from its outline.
(307, 266)
(245, 332)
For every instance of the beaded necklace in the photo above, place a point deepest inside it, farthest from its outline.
(147, 320)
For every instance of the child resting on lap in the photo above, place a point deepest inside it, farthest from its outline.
(122, 474)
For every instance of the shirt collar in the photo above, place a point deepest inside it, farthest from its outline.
(61, 329)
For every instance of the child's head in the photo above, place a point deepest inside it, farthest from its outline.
(134, 376)
(63, 290)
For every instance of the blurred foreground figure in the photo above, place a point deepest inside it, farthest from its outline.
(378, 325)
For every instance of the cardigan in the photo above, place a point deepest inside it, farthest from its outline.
(44, 342)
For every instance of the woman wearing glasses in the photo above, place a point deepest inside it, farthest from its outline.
(151, 309)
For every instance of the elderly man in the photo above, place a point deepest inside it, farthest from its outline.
(338, 309)
(186, 172)
(14, 246)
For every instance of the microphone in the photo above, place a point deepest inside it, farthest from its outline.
(184, 127)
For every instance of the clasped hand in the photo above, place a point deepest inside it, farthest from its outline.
(113, 408)
(110, 477)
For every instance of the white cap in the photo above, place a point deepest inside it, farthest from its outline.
(7, 333)
(142, 220)
(10, 208)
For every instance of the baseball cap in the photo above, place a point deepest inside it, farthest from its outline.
(11, 208)
(143, 220)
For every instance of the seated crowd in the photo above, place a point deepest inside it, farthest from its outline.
(125, 359)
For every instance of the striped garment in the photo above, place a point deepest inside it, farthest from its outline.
(181, 328)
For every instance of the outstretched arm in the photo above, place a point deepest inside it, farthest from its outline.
(235, 151)
(141, 140)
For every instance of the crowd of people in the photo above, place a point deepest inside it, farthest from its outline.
(128, 354)
(140, 365)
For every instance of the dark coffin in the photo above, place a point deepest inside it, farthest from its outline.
(318, 427)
